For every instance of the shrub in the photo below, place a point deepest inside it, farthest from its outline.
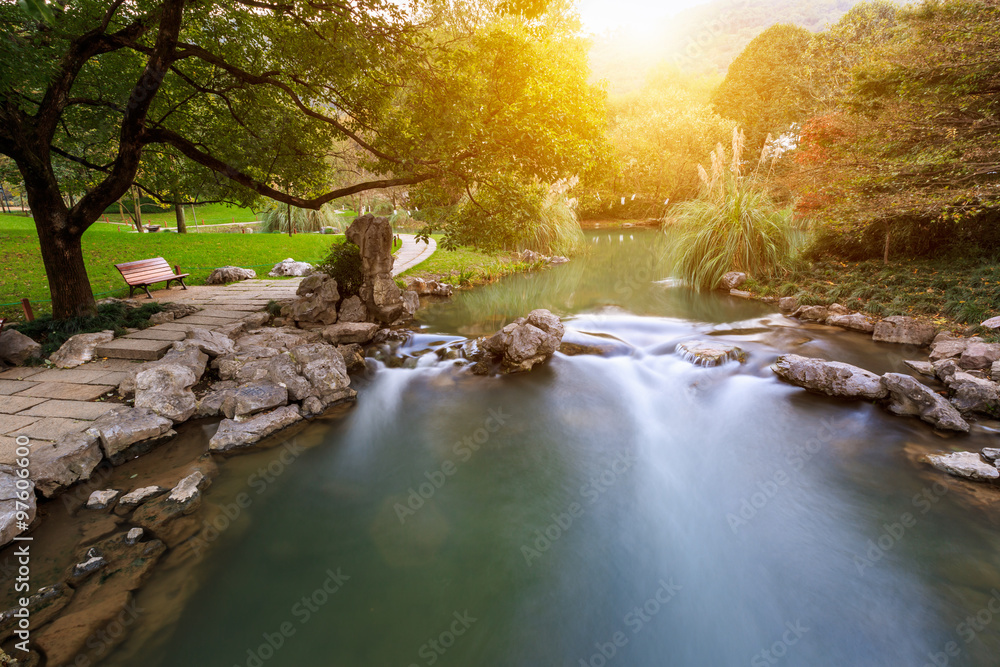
(343, 264)
(275, 219)
(114, 316)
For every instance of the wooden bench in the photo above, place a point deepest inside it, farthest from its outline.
(146, 272)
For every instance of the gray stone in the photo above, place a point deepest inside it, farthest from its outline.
(922, 367)
(525, 342)
(94, 562)
(978, 354)
(312, 406)
(812, 313)
(161, 318)
(102, 499)
(16, 348)
(411, 302)
(992, 323)
(71, 459)
(251, 321)
(742, 294)
(974, 394)
(233, 435)
(995, 371)
(279, 340)
(904, 330)
(141, 495)
(180, 309)
(837, 310)
(17, 506)
(965, 464)
(183, 354)
(558, 259)
(318, 307)
(990, 454)
(134, 535)
(212, 343)
(210, 404)
(324, 368)
(229, 274)
(166, 390)
(187, 489)
(354, 357)
(733, 280)
(853, 321)
(123, 427)
(379, 291)
(289, 267)
(945, 369)
(948, 347)
(311, 283)
(80, 349)
(282, 371)
(907, 396)
(710, 353)
(254, 398)
(832, 378)
(788, 304)
(350, 332)
(352, 310)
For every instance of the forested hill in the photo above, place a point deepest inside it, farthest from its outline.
(707, 37)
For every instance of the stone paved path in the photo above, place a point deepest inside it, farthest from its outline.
(411, 253)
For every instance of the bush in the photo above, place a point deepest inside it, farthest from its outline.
(343, 264)
(275, 219)
(114, 316)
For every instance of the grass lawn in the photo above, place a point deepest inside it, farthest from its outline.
(466, 266)
(960, 293)
(207, 214)
(22, 273)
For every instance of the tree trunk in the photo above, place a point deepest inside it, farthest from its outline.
(885, 255)
(62, 255)
(138, 211)
(289, 211)
(179, 212)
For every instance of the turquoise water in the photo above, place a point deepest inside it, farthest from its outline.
(632, 510)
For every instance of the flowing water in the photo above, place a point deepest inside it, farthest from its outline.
(632, 510)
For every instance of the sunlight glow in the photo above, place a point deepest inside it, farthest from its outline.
(640, 17)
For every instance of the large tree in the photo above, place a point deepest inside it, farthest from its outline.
(262, 93)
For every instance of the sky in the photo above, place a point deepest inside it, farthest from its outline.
(637, 15)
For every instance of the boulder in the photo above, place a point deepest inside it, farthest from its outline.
(212, 343)
(965, 464)
(354, 357)
(352, 310)
(282, 371)
(102, 499)
(229, 274)
(812, 313)
(525, 342)
(904, 330)
(17, 506)
(946, 346)
(324, 368)
(978, 355)
(710, 353)
(319, 306)
(907, 396)
(16, 348)
(289, 267)
(234, 435)
(832, 378)
(411, 302)
(123, 427)
(80, 349)
(311, 283)
(166, 390)
(992, 323)
(71, 459)
(350, 332)
(788, 304)
(183, 353)
(922, 367)
(254, 398)
(974, 394)
(161, 318)
(210, 404)
(852, 321)
(379, 291)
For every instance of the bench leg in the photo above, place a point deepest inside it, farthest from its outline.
(183, 286)
(146, 287)
(131, 291)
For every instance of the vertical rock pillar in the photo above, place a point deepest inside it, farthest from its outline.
(379, 291)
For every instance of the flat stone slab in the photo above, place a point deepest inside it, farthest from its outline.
(69, 409)
(19, 373)
(51, 428)
(177, 326)
(11, 423)
(109, 365)
(73, 375)
(129, 348)
(8, 387)
(13, 404)
(156, 333)
(113, 377)
(201, 319)
(67, 391)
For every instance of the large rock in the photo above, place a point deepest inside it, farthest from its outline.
(254, 398)
(212, 343)
(853, 321)
(229, 274)
(788, 304)
(71, 459)
(946, 346)
(352, 310)
(124, 427)
(289, 267)
(832, 378)
(17, 505)
(166, 390)
(311, 283)
(525, 342)
(907, 396)
(233, 435)
(210, 404)
(318, 306)
(379, 291)
(965, 464)
(429, 287)
(325, 369)
(978, 355)
(974, 394)
(282, 371)
(992, 323)
(812, 313)
(350, 332)
(411, 302)
(80, 349)
(16, 348)
(733, 280)
(904, 330)
(183, 353)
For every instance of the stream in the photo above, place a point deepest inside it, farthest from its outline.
(633, 510)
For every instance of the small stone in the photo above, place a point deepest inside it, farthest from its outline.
(187, 489)
(289, 267)
(852, 321)
(141, 495)
(100, 500)
(312, 406)
(94, 561)
(990, 454)
(812, 313)
(229, 274)
(788, 304)
(992, 323)
(161, 318)
(134, 535)
(708, 354)
(922, 367)
(742, 294)
(904, 330)
(965, 464)
(80, 349)
(733, 280)
(16, 348)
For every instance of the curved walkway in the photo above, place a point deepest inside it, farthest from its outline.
(411, 253)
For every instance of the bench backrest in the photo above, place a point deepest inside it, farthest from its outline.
(146, 271)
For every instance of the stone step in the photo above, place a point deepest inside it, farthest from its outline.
(156, 333)
(134, 348)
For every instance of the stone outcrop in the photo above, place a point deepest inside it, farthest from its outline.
(832, 378)
(352, 310)
(907, 396)
(316, 306)
(11, 497)
(229, 274)
(253, 398)
(166, 390)
(852, 321)
(324, 368)
(80, 349)
(733, 280)
(523, 343)
(904, 330)
(71, 459)
(979, 355)
(968, 465)
(16, 348)
(350, 332)
(124, 427)
(234, 435)
(183, 353)
(974, 394)
(379, 291)
(289, 267)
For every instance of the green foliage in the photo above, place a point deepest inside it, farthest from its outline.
(733, 226)
(344, 265)
(274, 308)
(114, 316)
(275, 219)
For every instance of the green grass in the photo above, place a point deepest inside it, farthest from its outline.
(467, 266)
(207, 214)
